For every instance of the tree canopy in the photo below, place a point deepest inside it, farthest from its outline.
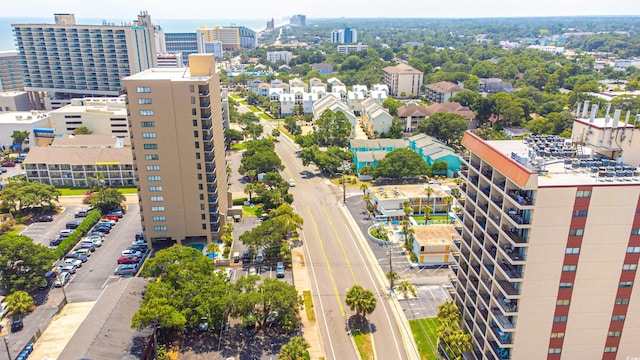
(18, 195)
(23, 263)
(401, 163)
(260, 157)
(446, 127)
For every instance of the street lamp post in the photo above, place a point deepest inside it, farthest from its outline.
(6, 345)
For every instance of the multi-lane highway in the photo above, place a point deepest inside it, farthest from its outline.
(336, 262)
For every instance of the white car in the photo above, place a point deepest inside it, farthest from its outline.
(84, 251)
(128, 252)
(108, 221)
(253, 271)
(96, 242)
(139, 243)
(75, 262)
(292, 183)
(62, 279)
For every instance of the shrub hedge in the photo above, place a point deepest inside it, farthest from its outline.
(67, 244)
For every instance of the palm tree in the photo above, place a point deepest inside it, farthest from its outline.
(455, 192)
(228, 228)
(367, 200)
(448, 200)
(407, 209)
(362, 301)
(427, 212)
(448, 312)
(20, 302)
(295, 349)
(213, 248)
(405, 287)
(429, 191)
(364, 188)
(250, 189)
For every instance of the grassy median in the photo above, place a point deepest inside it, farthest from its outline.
(308, 306)
(424, 334)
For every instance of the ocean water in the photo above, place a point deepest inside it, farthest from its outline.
(169, 25)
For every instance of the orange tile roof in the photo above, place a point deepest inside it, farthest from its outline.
(501, 162)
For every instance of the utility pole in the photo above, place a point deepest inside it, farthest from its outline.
(6, 345)
(391, 274)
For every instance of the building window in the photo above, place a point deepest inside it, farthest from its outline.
(156, 199)
(195, 133)
(569, 268)
(563, 302)
(558, 335)
(192, 88)
(203, 216)
(143, 89)
(617, 318)
(146, 112)
(580, 213)
(204, 226)
(197, 156)
(629, 267)
(159, 218)
(614, 333)
(201, 196)
(633, 249)
(148, 135)
(154, 178)
(572, 251)
(559, 319)
(157, 208)
(145, 101)
(583, 194)
(160, 228)
(193, 112)
(202, 207)
(153, 167)
(623, 301)
(566, 285)
(150, 146)
(199, 166)
(555, 350)
(576, 232)
(635, 231)
(611, 349)
(200, 187)
(196, 144)
(193, 100)
(626, 284)
(147, 124)
(155, 188)
(151, 157)
(195, 122)
(199, 176)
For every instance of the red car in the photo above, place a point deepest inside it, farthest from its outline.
(110, 217)
(127, 259)
(9, 164)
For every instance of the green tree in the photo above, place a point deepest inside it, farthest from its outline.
(295, 349)
(250, 189)
(106, 199)
(405, 288)
(19, 138)
(401, 163)
(260, 157)
(362, 301)
(364, 187)
(20, 302)
(231, 136)
(392, 105)
(20, 194)
(254, 129)
(275, 133)
(279, 302)
(446, 127)
(23, 263)
(456, 342)
(82, 130)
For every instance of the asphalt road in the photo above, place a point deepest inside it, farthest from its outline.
(337, 262)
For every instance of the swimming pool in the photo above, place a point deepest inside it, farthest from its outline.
(197, 246)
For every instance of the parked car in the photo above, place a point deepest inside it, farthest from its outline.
(3, 170)
(292, 183)
(280, 269)
(253, 271)
(75, 255)
(110, 218)
(91, 247)
(245, 256)
(56, 242)
(17, 325)
(75, 262)
(139, 236)
(62, 279)
(106, 221)
(139, 243)
(128, 259)
(135, 253)
(126, 269)
(45, 218)
(9, 164)
(97, 234)
(72, 225)
(83, 251)
(102, 229)
(95, 241)
(117, 213)
(260, 257)
(81, 214)
(71, 269)
(66, 232)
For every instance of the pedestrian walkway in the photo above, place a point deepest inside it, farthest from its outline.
(55, 338)
(310, 329)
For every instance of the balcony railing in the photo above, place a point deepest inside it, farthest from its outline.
(521, 197)
(507, 288)
(507, 305)
(502, 320)
(513, 272)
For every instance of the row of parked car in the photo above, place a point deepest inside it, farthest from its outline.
(72, 261)
(132, 257)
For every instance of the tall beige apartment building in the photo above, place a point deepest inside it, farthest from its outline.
(177, 138)
(550, 245)
(403, 80)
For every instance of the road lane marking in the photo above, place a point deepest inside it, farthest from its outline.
(326, 260)
(324, 209)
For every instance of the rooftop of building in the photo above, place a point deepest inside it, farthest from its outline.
(377, 143)
(73, 156)
(22, 117)
(111, 105)
(412, 110)
(554, 161)
(397, 192)
(401, 69)
(436, 234)
(444, 86)
(91, 141)
(12, 93)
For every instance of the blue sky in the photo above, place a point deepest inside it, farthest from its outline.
(264, 9)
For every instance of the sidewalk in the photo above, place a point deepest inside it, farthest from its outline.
(311, 330)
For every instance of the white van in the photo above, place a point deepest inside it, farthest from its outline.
(236, 257)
